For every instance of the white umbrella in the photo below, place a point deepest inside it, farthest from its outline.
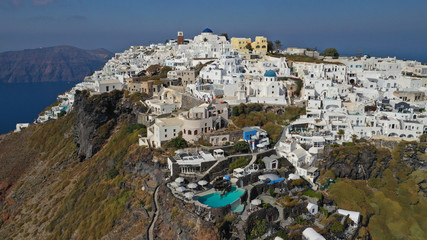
(262, 177)
(179, 180)
(256, 202)
(180, 189)
(189, 195)
(192, 185)
(202, 182)
(175, 184)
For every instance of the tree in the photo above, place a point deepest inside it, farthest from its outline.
(178, 142)
(270, 46)
(331, 52)
(241, 146)
(225, 35)
(354, 137)
(341, 133)
(278, 45)
(249, 47)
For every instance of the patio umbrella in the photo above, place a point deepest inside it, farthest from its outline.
(175, 184)
(189, 195)
(179, 180)
(234, 180)
(180, 189)
(256, 202)
(192, 185)
(262, 177)
(202, 182)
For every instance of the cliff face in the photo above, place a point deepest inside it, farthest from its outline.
(60, 63)
(360, 161)
(47, 193)
(178, 221)
(95, 117)
(364, 160)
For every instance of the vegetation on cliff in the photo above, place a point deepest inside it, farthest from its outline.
(392, 200)
(58, 196)
(254, 115)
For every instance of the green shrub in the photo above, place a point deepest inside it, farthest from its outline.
(229, 217)
(135, 127)
(336, 227)
(241, 146)
(259, 229)
(298, 183)
(313, 194)
(112, 173)
(177, 143)
(301, 221)
(282, 234)
(137, 96)
(240, 162)
(266, 205)
(271, 192)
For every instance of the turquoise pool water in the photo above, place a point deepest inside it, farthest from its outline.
(215, 200)
(238, 209)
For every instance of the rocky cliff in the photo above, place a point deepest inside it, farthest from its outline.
(363, 160)
(356, 161)
(47, 192)
(178, 220)
(95, 117)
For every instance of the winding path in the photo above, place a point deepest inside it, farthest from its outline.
(156, 214)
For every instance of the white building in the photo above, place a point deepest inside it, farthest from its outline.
(108, 85)
(312, 208)
(266, 90)
(301, 159)
(190, 163)
(311, 234)
(354, 216)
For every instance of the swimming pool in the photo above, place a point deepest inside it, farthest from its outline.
(215, 200)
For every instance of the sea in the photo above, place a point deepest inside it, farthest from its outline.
(22, 102)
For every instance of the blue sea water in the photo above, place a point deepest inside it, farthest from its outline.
(22, 102)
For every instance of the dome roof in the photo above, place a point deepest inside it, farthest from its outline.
(207, 30)
(270, 73)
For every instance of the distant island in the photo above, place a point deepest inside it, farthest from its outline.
(50, 64)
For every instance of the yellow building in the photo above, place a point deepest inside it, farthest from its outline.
(240, 43)
(260, 44)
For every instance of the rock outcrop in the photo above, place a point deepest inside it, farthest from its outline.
(178, 220)
(359, 161)
(95, 118)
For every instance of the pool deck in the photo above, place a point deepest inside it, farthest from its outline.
(209, 191)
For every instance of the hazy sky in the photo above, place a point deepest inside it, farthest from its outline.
(378, 27)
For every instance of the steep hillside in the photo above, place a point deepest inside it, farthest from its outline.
(60, 63)
(53, 193)
(388, 188)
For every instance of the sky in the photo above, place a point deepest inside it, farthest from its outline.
(376, 27)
